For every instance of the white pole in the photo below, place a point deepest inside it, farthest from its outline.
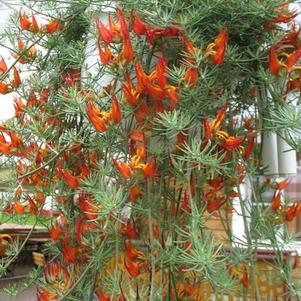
(92, 63)
(270, 153)
(287, 158)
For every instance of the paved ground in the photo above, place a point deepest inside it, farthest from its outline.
(27, 295)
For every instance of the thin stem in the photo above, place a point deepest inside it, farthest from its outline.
(92, 261)
(153, 264)
(249, 240)
(4, 75)
(22, 246)
(44, 165)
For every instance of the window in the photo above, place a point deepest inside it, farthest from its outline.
(291, 194)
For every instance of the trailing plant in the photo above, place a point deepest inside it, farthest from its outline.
(140, 152)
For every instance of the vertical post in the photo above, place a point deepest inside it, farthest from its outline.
(92, 63)
(270, 153)
(287, 158)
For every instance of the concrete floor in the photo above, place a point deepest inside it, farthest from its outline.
(27, 295)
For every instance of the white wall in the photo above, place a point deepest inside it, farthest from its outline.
(6, 103)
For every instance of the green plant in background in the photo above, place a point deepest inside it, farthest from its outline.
(139, 151)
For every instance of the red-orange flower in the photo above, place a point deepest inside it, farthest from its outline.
(57, 275)
(292, 59)
(217, 49)
(135, 193)
(123, 169)
(138, 26)
(218, 120)
(18, 207)
(132, 267)
(142, 112)
(142, 78)
(127, 51)
(34, 24)
(44, 294)
(33, 208)
(245, 278)
(53, 26)
(289, 63)
(72, 181)
(95, 117)
(191, 76)
(3, 66)
(105, 55)
(104, 33)
(80, 228)
(4, 88)
(283, 184)
(153, 33)
(232, 142)
(274, 63)
(213, 205)
(27, 56)
(26, 24)
(250, 146)
(137, 136)
(87, 206)
(116, 113)
(162, 72)
(17, 80)
(115, 33)
(24, 21)
(131, 252)
(101, 295)
(149, 170)
(130, 94)
(155, 91)
(55, 231)
(71, 76)
(123, 25)
(69, 252)
(172, 94)
(283, 16)
(129, 230)
(292, 38)
(292, 212)
(207, 129)
(276, 201)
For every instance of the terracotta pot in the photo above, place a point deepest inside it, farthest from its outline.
(38, 258)
(5, 242)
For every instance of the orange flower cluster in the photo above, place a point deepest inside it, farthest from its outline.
(12, 146)
(100, 119)
(137, 162)
(146, 93)
(212, 131)
(217, 49)
(6, 88)
(282, 213)
(283, 15)
(284, 57)
(51, 27)
(153, 86)
(24, 55)
(80, 168)
(58, 277)
(114, 34)
(28, 55)
(130, 260)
